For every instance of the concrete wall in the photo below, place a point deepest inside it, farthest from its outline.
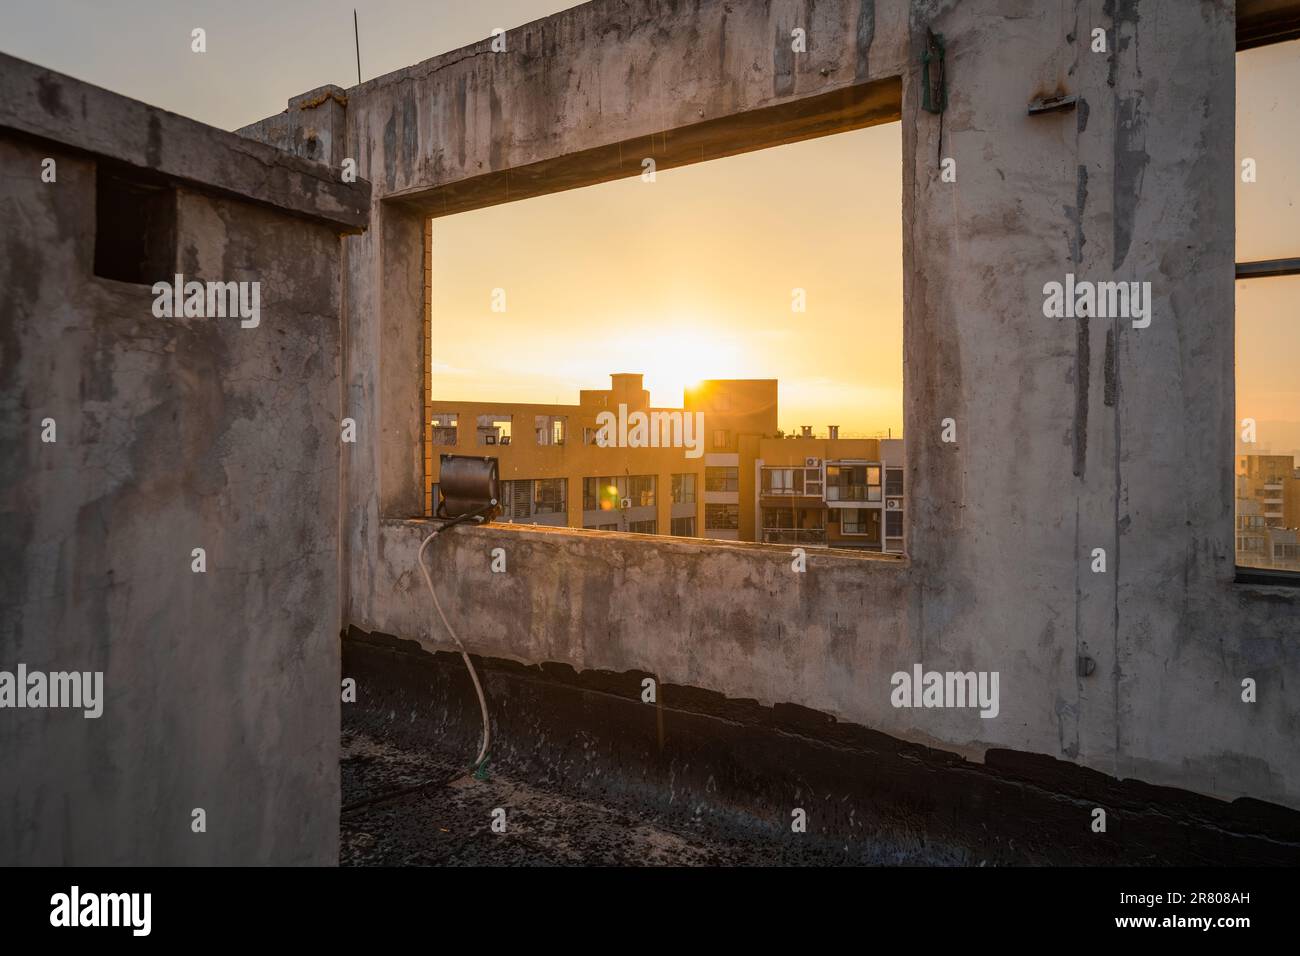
(1072, 435)
(221, 689)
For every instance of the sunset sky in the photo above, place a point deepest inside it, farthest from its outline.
(690, 277)
(701, 262)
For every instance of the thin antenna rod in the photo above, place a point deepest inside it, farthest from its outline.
(356, 33)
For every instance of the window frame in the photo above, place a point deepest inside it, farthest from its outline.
(1257, 269)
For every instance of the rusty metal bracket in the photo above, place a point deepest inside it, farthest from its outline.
(1053, 104)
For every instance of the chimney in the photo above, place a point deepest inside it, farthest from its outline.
(805, 431)
(833, 431)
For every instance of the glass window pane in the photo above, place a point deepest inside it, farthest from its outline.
(1266, 471)
(1268, 132)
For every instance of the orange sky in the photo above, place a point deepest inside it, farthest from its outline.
(690, 277)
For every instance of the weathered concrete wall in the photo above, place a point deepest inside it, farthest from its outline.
(1072, 434)
(221, 689)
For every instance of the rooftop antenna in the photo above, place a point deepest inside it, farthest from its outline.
(356, 35)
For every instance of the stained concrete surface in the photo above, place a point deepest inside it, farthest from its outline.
(172, 433)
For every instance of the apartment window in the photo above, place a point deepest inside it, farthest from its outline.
(643, 527)
(550, 429)
(894, 482)
(783, 481)
(846, 482)
(812, 482)
(893, 524)
(721, 517)
(516, 500)
(794, 526)
(684, 527)
(550, 496)
(494, 430)
(864, 521)
(778, 518)
(722, 479)
(641, 489)
(874, 473)
(609, 493)
(1267, 466)
(684, 490)
(444, 428)
(135, 226)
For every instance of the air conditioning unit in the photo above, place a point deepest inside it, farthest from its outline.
(893, 504)
(812, 462)
(627, 503)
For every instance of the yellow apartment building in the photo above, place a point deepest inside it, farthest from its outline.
(832, 491)
(696, 471)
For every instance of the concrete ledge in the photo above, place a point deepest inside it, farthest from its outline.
(682, 544)
(695, 751)
(50, 106)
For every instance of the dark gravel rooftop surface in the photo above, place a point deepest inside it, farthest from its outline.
(450, 824)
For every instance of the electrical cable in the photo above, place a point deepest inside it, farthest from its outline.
(478, 687)
(481, 759)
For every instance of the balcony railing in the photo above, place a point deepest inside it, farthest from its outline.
(851, 492)
(794, 535)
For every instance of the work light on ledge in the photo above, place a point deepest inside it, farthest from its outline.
(468, 487)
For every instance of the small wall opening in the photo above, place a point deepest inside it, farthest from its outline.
(135, 226)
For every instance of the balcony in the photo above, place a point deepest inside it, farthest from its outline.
(794, 535)
(851, 493)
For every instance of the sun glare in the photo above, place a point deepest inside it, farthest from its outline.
(681, 357)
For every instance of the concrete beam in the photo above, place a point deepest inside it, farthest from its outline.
(50, 106)
(1261, 22)
(838, 111)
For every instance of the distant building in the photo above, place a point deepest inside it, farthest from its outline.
(739, 481)
(836, 492)
(1268, 511)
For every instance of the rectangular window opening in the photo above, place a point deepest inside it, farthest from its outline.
(665, 337)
